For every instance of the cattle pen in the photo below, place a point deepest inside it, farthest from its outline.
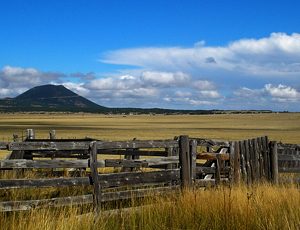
(144, 167)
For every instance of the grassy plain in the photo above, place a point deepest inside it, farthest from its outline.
(257, 207)
(283, 127)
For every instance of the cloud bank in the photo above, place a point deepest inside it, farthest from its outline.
(246, 74)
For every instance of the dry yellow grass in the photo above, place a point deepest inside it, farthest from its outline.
(283, 127)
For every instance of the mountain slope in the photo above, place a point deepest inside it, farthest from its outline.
(49, 97)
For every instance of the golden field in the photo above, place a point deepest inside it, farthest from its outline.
(283, 127)
(262, 206)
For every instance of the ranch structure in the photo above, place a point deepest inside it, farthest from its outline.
(141, 168)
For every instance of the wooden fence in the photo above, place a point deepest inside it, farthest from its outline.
(148, 167)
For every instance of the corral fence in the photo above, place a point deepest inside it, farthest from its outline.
(144, 167)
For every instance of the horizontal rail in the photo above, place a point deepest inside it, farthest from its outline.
(44, 183)
(24, 205)
(137, 144)
(210, 143)
(138, 178)
(49, 145)
(43, 164)
(286, 157)
(131, 152)
(288, 170)
(212, 156)
(211, 170)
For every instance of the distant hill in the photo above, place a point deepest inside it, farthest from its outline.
(48, 98)
(57, 98)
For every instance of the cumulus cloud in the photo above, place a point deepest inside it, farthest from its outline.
(164, 79)
(282, 92)
(275, 91)
(277, 56)
(15, 80)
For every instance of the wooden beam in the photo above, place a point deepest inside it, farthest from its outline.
(137, 144)
(94, 177)
(44, 183)
(126, 179)
(185, 161)
(212, 156)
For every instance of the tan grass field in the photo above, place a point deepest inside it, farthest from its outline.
(283, 127)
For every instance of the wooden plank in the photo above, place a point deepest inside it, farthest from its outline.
(218, 169)
(193, 151)
(141, 162)
(285, 157)
(231, 160)
(260, 155)
(49, 145)
(210, 143)
(138, 178)
(131, 152)
(247, 158)
(256, 159)
(34, 164)
(243, 160)
(24, 205)
(237, 164)
(128, 194)
(252, 160)
(94, 177)
(184, 159)
(212, 156)
(274, 161)
(288, 170)
(295, 179)
(137, 144)
(211, 170)
(288, 146)
(44, 183)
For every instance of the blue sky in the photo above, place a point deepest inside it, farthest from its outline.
(163, 54)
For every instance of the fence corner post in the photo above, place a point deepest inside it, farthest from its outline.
(184, 159)
(274, 161)
(94, 177)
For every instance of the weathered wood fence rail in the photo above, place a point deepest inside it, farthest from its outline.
(169, 165)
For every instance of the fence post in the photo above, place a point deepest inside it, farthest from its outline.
(30, 134)
(193, 150)
(231, 161)
(94, 177)
(256, 157)
(247, 158)
(243, 161)
(274, 161)
(184, 159)
(52, 134)
(218, 170)
(237, 163)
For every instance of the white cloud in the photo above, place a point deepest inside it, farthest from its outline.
(277, 56)
(16, 80)
(200, 43)
(164, 79)
(282, 92)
